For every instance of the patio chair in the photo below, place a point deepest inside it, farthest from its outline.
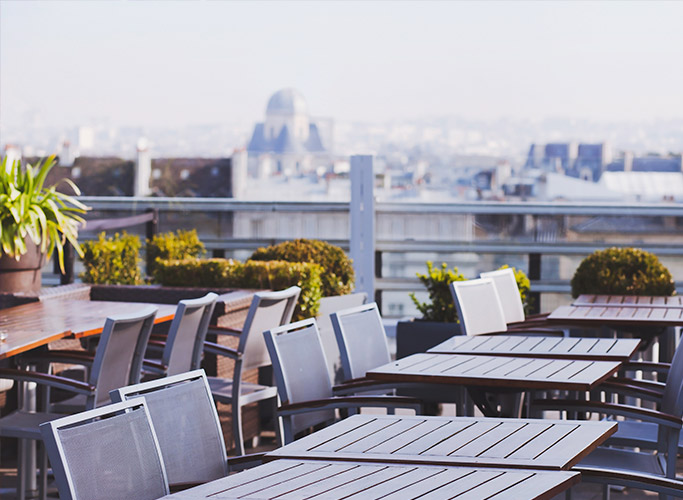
(648, 429)
(186, 424)
(479, 307)
(267, 310)
(303, 381)
(108, 453)
(328, 305)
(183, 347)
(117, 362)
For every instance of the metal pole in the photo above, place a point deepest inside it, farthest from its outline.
(362, 212)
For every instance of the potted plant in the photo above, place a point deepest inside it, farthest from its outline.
(439, 317)
(34, 221)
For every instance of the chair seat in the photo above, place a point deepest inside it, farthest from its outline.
(249, 393)
(74, 404)
(22, 424)
(638, 434)
(625, 460)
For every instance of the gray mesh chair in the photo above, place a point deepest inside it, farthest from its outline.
(303, 382)
(187, 426)
(267, 310)
(110, 453)
(117, 362)
(183, 346)
(657, 431)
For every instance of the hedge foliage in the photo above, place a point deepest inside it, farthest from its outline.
(173, 246)
(622, 271)
(228, 273)
(338, 274)
(112, 261)
(440, 307)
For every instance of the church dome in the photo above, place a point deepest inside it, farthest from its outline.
(287, 102)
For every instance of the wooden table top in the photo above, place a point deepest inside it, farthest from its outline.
(467, 441)
(497, 371)
(631, 315)
(540, 347)
(629, 300)
(289, 479)
(32, 325)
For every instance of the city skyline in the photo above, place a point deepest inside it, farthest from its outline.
(179, 64)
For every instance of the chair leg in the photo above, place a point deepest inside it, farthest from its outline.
(42, 485)
(22, 451)
(237, 436)
(277, 422)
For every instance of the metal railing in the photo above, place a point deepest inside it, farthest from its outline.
(544, 239)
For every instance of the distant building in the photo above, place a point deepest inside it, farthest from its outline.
(583, 161)
(288, 141)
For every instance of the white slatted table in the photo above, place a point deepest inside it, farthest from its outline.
(623, 315)
(629, 300)
(465, 441)
(298, 479)
(521, 373)
(540, 347)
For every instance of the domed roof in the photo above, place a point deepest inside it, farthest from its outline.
(287, 102)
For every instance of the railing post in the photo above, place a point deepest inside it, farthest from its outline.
(151, 229)
(378, 274)
(535, 275)
(67, 276)
(362, 214)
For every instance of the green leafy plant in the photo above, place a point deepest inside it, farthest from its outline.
(441, 307)
(30, 210)
(338, 274)
(173, 246)
(112, 261)
(228, 273)
(622, 271)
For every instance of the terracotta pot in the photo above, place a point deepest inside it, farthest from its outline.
(23, 275)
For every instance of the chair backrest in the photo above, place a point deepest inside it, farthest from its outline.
(328, 305)
(508, 291)
(119, 354)
(478, 306)
(361, 338)
(187, 333)
(186, 423)
(109, 453)
(300, 370)
(268, 310)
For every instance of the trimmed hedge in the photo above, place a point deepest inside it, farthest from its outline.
(173, 246)
(622, 271)
(112, 261)
(228, 273)
(338, 274)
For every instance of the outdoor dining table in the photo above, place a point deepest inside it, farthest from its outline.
(629, 300)
(586, 348)
(36, 324)
(540, 444)
(289, 479)
(523, 373)
(629, 315)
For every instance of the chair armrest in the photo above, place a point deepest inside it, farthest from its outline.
(646, 366)
(640, 480)
(224, 330)
(351, 402)
(153, 366)
(64, 383)
(176, 487)
(527, 329)
(634, 412)
(645, 389)
(221, 350)
(65, 356)
(243, 462)
(360, 385)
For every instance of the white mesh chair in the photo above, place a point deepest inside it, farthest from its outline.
(183, 346)
(303, 381)
(117, 362)
(329, 305)
(110, 453)
(479, 307)
(187, 426)
(268, 310)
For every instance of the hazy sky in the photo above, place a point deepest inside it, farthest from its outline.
(192, 62)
